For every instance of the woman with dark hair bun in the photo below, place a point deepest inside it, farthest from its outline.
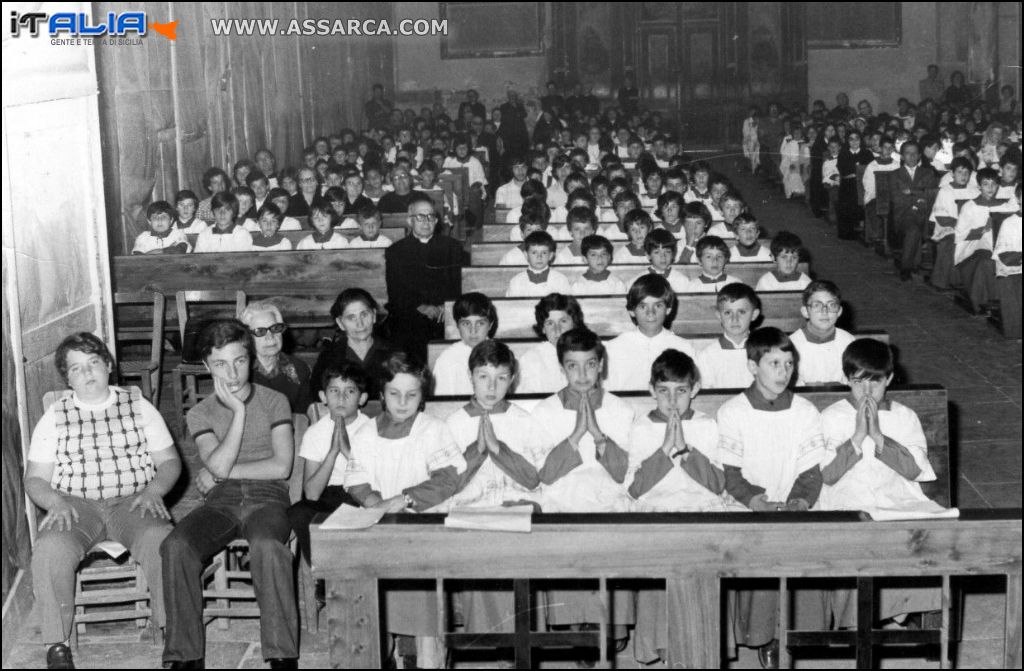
(356, 314)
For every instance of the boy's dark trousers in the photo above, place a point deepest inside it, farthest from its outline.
(255, 510)
(1009, 305)
(910, 233)
(307, 512)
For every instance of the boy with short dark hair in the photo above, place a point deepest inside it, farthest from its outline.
(477, 321)
(786, 249)
(770, 446)
(945, 212)
(325, 450)
(696, 223)
(597, 280)
(723, 363)
(185, 204)
(637, 224)
(712, 257)
(224, 235)
(820, 342)
(661, 247)
(535, 214)
(162, 237)
(539, 279)
(748, 245)
(651, 304)
(369, 219)
(508, 194)
(580, 223)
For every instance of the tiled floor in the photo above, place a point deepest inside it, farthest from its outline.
(937, 343)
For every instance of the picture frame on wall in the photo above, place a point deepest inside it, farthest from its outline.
(492, 30)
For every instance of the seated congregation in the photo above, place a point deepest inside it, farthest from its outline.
(609, 242)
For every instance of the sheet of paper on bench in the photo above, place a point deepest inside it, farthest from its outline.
(351, 518)
(912, 510)
(510, 518)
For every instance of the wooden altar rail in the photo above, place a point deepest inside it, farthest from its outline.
(692, 552)
(606, 315)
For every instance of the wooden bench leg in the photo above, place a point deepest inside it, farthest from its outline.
(694, 616)
(353, 618)
(179, 406)
(865, 623)
(1012, 644)
(523, 610)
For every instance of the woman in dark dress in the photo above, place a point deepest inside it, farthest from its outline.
(355, 313)
(818, 195)
(849, 212)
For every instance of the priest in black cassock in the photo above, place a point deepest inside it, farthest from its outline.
(423, 270)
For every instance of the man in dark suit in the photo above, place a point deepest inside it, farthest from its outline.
(913, 187)
(423, 270)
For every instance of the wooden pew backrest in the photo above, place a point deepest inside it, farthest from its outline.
(392, 234)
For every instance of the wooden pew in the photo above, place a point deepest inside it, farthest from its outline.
(606, 315)
(519, 346)
(302, 283)
(693, 553)
(501, 232)
(457, 180)
(392, 234)
(493, 281)
(501, 214)
(490, 252)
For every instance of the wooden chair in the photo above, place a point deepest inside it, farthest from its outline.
(185, 375)
(148, 371)
(110, 585)
(229, 593)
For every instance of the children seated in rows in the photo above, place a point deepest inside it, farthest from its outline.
(945, 212)
(712, 257)
(748, 247)
(162, 237)
(477, 320)
(1007, 257)
(651, 304)
(539, 370)
(770, 447)
(324, 236)
(369, 220)
(539, 279)
(578, 195)
(580, 223)
(661, 248)
(224, 235)
(597, 280)
(820, 342)
(786, 249)
(268, 237)
(406, 459)
(723, 362)
(638, 224)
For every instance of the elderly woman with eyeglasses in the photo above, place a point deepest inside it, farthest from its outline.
(272, 367)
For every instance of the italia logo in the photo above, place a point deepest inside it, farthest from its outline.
(82, 25)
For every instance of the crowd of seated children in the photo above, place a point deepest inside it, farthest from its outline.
(723, 362)
(597, 279)
(945, 212)
(651, 304)
(580, 222)
(477, 321)
(539, 278)
(534, 216)
(786, 249)
(974, 235)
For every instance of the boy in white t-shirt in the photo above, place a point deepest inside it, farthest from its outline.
(326, 448)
